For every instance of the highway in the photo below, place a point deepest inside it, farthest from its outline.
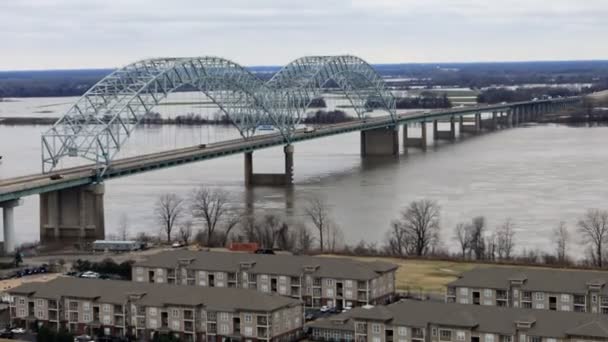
(18, 187)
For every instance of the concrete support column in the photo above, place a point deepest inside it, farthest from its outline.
(413, 141)
(510, 118)
(8, 224)
(270, 179)
(468, 128)
(444, 135)
(75, 214)
(380, 141)
(494, 121)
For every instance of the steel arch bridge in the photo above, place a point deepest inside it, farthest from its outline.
(103, 119)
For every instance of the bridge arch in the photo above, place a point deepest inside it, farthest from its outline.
(102, 120)
(304, 79)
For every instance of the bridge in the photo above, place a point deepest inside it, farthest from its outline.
(102, 120)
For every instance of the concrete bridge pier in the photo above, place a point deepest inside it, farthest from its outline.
(74, 214)
(413, 141)
(270, 179)
(380, 141)
(8, 224)
(444, 135)
(468, 128)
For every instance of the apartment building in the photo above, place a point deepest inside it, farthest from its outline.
(142, 310)
(428, 321)
(317, 281)
(530, 288)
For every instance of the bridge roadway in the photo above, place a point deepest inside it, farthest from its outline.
(15, 188)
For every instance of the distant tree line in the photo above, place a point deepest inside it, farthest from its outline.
(427, 100)
(327, 117)
(497, 95)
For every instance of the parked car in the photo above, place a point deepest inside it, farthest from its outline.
(90, 274)
(264, 251)
(324, 308)
(83, 338)
(177, 245)
(7, 333)
(18, 331)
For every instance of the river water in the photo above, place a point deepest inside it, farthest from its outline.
(537, 175)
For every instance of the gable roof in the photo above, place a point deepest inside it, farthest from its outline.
(291, 265)
(491, 319)
(158, 295)
(534, 279)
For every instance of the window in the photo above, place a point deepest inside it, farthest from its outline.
(550, 340)
(593, 298)
(21, 312)
(224, 316)
(566, 307)
(535, 339)
(248, 331)
(565, 298)
(86, 317)
(86, 305)
(175, 325)
(539, 306)
(175, 313)
(515, 293)
(445, 335)
(329, 282)
(106, 308)
(376, 328)
(219, 275)
(434, 332)
(464, 291)
(248, 318)
(402, 331)
(139, 270)
(376, 339)
(460, 335)
(264, 288)
(106, 320)
(21, 300)
(159, 271)
(330, 292)
(464, 300)
(487, 293)
(39, 302)
(489, 338)
(152, 311)
(539, 295)
(224, 328)
(40, 314)
(264, 277)
(348, 283)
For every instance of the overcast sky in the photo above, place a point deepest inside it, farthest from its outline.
(45, 34)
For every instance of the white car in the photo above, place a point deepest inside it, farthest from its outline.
(177, 245)
(18, 331)
(324, 308)
(90, 274)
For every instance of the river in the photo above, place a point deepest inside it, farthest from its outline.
(537, 175)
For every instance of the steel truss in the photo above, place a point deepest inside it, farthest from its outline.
(102, 120)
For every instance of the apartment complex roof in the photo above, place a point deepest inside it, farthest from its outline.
(292, 265)
(533, 279)
(157, 295)
(491, 319)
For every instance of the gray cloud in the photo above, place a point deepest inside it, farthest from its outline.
(105, 33)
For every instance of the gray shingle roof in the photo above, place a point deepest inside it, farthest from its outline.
(557, 324)
(291, 265)
(116, 292)
(535, 279)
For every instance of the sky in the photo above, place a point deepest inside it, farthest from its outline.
(68, 34)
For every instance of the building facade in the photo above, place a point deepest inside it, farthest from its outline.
(542, 289)
(427, 321)
(317, 281)
(121, 308)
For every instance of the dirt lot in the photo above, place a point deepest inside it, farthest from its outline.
(8, 284)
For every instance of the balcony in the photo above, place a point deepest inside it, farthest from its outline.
(579, 300)
(262, 332)
(188, 315)
(53, 305)
(262, 320)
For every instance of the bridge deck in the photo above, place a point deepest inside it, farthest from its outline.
(17, 187)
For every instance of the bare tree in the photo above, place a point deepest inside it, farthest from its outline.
(185, 232)
(231, 222)
(397, 241)
(304, 238)
(123, 227)
(211, 206)
(561, 238)
(477, 237)
(505, 240)
(420, 221)
(461, 234)
(593, 227)
(168, 209)
(318, 212)
(335, 237)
